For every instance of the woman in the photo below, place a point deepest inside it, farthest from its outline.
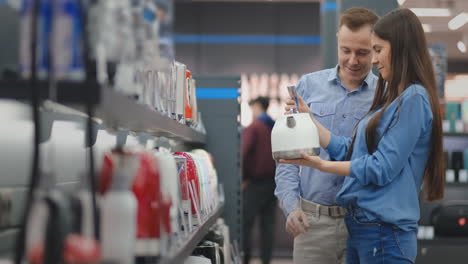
(396, 147)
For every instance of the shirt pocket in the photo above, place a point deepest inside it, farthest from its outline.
(323, 113)
(349, 124)
(359, 114)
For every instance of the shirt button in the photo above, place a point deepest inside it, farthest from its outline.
(321, 113)
(349, 94)
(344, 115)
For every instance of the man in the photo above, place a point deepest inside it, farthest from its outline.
(258, 184)
(339, 97)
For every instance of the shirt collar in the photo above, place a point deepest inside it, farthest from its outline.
(333, 76)
(370, 79)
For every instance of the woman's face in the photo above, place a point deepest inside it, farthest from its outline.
(381, 57)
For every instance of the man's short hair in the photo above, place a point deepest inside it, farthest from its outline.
(357, 17)
(263, 101)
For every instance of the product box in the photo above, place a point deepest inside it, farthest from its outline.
(449, 175)
(464, 111)
(466, 158)
(452, 112)
(463, 176)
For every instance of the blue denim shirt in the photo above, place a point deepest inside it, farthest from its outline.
(386, 183)
(339, 110)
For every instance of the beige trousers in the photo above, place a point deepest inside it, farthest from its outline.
(323, 243)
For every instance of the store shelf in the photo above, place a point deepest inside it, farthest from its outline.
(181, 253)
(65, 92)
(455, 134)
(113, 109)
(456, 184)
(119, 111)
(445, 241)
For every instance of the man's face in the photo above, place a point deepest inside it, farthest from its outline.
(257, 110)
(354, 53)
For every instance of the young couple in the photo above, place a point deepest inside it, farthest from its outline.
(382, 141)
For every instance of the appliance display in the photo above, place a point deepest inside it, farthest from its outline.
(173, 192)
(149, 201)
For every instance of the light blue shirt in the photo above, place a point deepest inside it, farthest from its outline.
(387, 182)
(339, 110)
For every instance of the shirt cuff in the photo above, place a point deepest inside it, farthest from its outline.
(290, 205)
(333, 147)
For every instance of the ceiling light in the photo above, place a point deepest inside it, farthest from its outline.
(400, 2)
(427, 28)
(431, 12)
(461, 46)
(458, 21)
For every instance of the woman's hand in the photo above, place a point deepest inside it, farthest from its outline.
(310, 161)
(290, 104)
(334, 167)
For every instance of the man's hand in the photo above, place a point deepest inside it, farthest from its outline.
(296, 223)
(303, 108)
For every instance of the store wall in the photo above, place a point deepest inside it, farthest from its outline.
(231, 38)
(457, 67)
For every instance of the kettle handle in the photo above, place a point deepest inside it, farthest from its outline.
(293, 94)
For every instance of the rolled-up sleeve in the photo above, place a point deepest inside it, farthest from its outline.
(338, 147)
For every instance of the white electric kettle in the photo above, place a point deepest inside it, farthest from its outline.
(294, 133)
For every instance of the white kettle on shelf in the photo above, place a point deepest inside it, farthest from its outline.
(294, 133)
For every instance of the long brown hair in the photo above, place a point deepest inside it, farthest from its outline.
(410, 63)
